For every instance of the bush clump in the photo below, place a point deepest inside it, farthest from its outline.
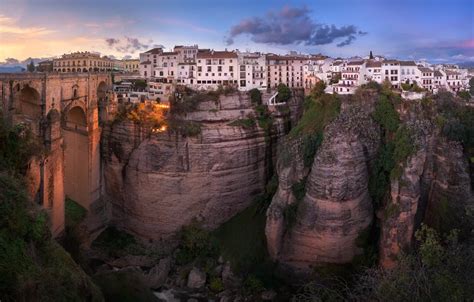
(196, 243)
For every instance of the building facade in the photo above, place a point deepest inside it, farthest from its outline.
(82, 62)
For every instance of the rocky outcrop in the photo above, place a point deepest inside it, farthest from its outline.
(157, 183)
(434, 188)
(336, 207)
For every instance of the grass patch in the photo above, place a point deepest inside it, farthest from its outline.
(74, 213)
(318, 113)
(115, 242)
(246, 123)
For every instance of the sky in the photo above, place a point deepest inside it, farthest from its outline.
(435, 30)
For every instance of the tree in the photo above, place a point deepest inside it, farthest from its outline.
(471, 86)
(371, 56)
(30, 67)
(318, 89)
(284, 93)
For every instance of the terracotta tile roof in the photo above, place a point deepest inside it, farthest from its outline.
(155, 51)
(424, 69)
(450, 72)
(407, 63)
(373, 64)
(391, 62)
(146, 62)
(217, 55)
(355, 63)
(284, 58)
(168, 53)
(438, 73)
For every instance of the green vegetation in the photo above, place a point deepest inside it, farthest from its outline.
(184, 127)
(309, 146)
(471, 86)
(216, 285)
(386, 115)
(196, 244)
(74, 213)
(253, 285)
(441, 270)
(255, 96)
(318, 89)
(246, 123)
(412, 87)
(114, 242)
(32, 265)
(318, 113)
(284, 93)
(17, 146)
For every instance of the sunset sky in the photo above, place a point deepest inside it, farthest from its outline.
(418, 29)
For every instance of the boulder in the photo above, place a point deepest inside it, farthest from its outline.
(196, 278)
(157, 276)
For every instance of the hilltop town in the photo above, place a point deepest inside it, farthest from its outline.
(206, 69)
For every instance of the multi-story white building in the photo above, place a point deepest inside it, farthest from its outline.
(373, 71)
(252, 71)
(166, 67)
(216, 68)
(186, 54)
(391, 72)
(286, 70)
(454, 81)
(353, 73)
(427, 78)
(82, 62)
(409, 72)
(148, 62)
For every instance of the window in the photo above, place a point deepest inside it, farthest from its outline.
(231, 68)
(219, 68)
(199, 68)
(208, 62)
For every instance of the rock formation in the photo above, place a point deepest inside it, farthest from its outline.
(157, 183)
(336, 207)
(434, 188)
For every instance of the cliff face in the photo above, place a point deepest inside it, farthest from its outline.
(156, 184)
(336, 207)
(434, 188)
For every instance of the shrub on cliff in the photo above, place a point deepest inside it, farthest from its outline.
(255, 96)
(33, 267)
(284, 93)
(440, 270)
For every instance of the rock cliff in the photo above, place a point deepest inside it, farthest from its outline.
(336, 207)
(157, 183)
(434, 188)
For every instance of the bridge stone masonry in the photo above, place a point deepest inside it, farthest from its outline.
(64, 111)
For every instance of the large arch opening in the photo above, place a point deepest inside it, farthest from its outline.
(76, 156)
(29, 108)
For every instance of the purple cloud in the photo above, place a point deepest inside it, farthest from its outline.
(292, 25)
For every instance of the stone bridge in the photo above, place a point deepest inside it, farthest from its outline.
(64, 111)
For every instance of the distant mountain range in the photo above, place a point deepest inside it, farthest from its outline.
(11, 69)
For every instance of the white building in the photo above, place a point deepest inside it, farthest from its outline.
(409, 72)
(373, 71)
(286, 70)
(391, 72)
(252, 71)
(216, 68)
(186, 54)
(148, 62)
(427, 78)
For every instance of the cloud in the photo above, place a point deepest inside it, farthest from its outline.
(9, 26)
(293, 25)
(127, 45)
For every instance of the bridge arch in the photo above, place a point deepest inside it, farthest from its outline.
(76, 154)
(28, 107)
